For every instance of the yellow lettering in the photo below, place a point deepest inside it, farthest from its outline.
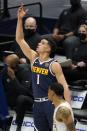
(43, 71)
(46, 72)
(40, 70)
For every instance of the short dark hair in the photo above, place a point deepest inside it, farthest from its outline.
(53, 46)
(58, 89)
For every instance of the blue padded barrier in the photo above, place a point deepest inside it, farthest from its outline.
(3, 103)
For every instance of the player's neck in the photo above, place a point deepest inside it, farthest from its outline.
(57, 101)
(44, 57)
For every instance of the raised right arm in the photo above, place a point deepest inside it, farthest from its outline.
(28, 52)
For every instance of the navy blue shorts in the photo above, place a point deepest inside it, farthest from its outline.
(43, 115)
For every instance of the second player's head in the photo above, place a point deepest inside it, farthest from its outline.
(56, 89)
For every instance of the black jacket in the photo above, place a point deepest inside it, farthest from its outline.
(21, 85)
(70, 19)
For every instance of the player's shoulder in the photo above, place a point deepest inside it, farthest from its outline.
(55, 64)
(64, 112)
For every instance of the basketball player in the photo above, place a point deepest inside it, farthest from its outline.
(63, 118)
(44, 72)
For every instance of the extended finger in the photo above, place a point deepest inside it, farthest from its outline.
(26, 10)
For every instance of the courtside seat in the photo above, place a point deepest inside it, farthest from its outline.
(79, 104)
(80, 114)
(79, 87)
(78, 97)
(80, 83)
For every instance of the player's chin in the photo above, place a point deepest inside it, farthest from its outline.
(38, 50)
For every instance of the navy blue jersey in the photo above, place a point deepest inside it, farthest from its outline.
(42, 77)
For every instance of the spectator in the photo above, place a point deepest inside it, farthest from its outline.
(68, 22)
(17, 85)
(63, 118)
(31, 35)
(79, 58)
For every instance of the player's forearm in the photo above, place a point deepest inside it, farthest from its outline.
(19, 31)
(69, 34)
(67, 95)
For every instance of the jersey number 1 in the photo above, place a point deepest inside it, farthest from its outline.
(38, 77)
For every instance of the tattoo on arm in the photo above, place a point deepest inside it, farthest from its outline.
(65, 116)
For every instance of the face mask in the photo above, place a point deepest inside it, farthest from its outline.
(29, 32)
(82, 36)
